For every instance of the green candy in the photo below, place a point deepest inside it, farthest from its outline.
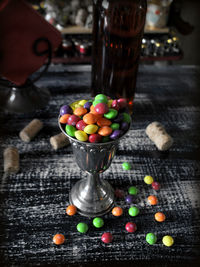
(98, 222)
(114, 126)
(70, 130)
(82, 227)
(133, 211)
(102, 97)
(95, 102)
(132, 190)
(151, 238)
(112, 113)
(126, 117)
(126, 166)
(105, 139)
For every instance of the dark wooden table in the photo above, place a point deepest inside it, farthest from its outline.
(33, 202)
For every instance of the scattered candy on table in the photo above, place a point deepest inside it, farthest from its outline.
(133, 211)
(168, 240)
(129, 199)
(117, 211)
(130, 227)
(160, 217)
(98, 222)
(119, 193)
(155, 185)
(58, 239)
(71, 210)
(152, 200)
(148, 179)
(126, 166)
(151, 238)
(107, 237)
(132, 190)
(82, 227)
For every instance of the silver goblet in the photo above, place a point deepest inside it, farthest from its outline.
(92, 195)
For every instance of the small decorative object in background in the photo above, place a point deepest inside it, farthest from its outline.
(11, 160)
(157, 13)
(31, 130)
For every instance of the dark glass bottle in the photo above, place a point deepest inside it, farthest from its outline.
(118, 27)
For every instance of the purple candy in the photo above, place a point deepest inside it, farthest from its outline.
(129, 199)
(116, 134)
(119, 117)
(87, 105)
(66, 109)
(124, 126)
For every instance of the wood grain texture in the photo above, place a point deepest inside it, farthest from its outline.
(33, 201)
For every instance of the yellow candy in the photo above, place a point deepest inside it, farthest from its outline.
(148, 179)
(81, 135)
(72, 105)
(77, 106)
(82, 102)
(110, 103)
(168, 240)
(91, 129)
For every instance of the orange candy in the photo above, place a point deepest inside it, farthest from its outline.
(103, 122)
(93, 111)
(71, 210)
(117, 211)
(105, 131)
(152, 200)
(90, 118)
(64, 118)
(80, 111)
(58, 239)
(160, 217)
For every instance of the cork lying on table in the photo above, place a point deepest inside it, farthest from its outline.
(31, 130)
(59, 140)
(11, 160)
(157, 133)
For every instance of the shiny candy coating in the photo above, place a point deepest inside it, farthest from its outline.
(151, 238)
(117, 211)
(155, 185)
(81, 125)
(115, 105)
(105, 131)
(98, 222)
(152, 200)
(132, 190)
(81, 136)
(71, 210)
(122, 103)
(114, 126)
(130, 227)
(72, 120)
(58, 239)
(93, 111)
(116, 134)
(133, 211)
(66, 109)
(107, 238)
(90, 118)
(82, 228)
(124, 126)
(168, 240)
(80, 111)
(148, 179)
(64, 118)
(95, 138)
(110, 103)
(87, 105)
(160, 217)
(126, 166)
(111, 114)
(70, 130)
(82, 102)
(91, 129)
(129, 199)
(101, 108)
(103, 122)
(101, 97)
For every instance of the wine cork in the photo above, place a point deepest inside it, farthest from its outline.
(31, 130)
(58, 141)
(11, 160)
(157, 133)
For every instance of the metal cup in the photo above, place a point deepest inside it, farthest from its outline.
(92, 195)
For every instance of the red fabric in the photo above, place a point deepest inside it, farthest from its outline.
(20, 26)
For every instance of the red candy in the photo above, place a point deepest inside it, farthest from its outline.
(107, 237)
(115, 105)
(122, 102)
(81, 125)
(95, 138)
(101, 108)
(130, 227)
(155, 185)
(73, 119)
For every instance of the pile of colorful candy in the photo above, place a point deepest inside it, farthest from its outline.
(96, 121)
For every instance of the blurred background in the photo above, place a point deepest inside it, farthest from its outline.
(172, 32)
